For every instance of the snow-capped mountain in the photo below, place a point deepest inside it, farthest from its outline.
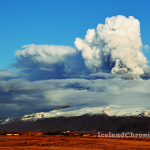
(111, 110)
(69, 112)
(98, 119)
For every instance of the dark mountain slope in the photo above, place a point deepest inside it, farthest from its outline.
(98, 123)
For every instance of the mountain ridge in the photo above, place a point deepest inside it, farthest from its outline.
(85, 119)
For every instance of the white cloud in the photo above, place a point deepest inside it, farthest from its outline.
(45, 95)
(49, 61)
(45, 53)
(115, 46)
(7, 74)
(146, 47)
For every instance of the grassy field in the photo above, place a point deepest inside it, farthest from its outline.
(33, 141)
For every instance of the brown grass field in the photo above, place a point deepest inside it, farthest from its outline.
(33, 141)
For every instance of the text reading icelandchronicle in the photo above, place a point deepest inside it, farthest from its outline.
(123, 134)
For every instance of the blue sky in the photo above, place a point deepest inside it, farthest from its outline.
(68, 60)
(60, 22)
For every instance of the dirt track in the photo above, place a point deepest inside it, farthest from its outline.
(61, 142)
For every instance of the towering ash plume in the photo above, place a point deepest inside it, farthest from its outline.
(114, 47)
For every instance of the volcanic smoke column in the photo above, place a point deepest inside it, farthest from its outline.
(114, 47)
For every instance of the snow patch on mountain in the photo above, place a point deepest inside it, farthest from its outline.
(111, 110)
(4, 121)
